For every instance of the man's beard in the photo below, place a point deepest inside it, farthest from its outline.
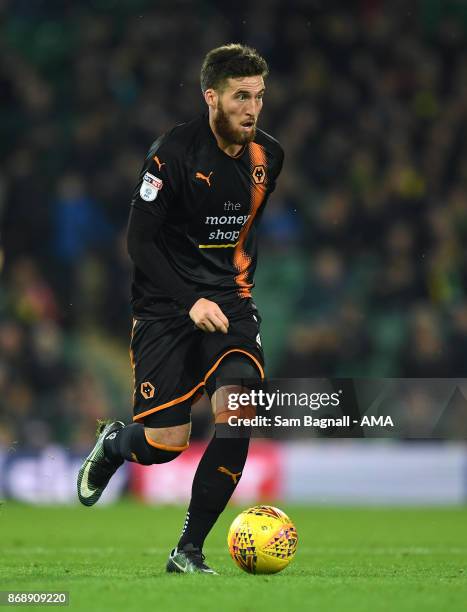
(228, 133)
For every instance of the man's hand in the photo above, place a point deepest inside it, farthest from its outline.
(208, 317)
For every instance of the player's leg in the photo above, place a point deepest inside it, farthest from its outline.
(134, 442)
(158, 404)
(218, 472)
(164, 435)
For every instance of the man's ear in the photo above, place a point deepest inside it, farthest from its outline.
(211, 97)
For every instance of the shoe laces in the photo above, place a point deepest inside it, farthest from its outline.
(195, 554)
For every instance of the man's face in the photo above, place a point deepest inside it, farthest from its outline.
(236, 109)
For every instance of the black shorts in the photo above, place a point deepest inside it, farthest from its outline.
(172, 361)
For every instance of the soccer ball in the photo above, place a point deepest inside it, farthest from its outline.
(262, 540)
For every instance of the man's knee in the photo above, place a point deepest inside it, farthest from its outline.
(167, 443)
(232, 401)
(134, 444)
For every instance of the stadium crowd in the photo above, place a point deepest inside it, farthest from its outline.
(370, 106)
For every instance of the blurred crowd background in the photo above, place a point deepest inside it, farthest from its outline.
(362, 268)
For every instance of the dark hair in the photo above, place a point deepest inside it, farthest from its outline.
(231, 61)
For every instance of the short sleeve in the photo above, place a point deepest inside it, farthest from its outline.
(158, 182)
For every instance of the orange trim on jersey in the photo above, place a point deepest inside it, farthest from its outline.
(165, 446)
(178, 400)
(241, 259)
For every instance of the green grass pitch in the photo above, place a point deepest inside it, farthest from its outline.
(113, 558)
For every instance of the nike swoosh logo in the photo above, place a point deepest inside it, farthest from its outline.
(84, 489)
(183, 569)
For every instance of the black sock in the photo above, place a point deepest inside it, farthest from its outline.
(215, 481)
(130, 443)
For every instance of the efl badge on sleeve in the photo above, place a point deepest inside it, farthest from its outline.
(150, 187)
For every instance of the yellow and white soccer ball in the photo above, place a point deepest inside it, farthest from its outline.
(262, 540)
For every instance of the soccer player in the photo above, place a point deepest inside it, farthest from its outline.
(192, 237)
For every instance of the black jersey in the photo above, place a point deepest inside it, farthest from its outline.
(208, 204)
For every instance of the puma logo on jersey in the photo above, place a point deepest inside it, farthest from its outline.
(234, 475)
(203, 177)
(158, 162)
